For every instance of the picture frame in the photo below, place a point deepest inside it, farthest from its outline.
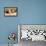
(10, 11)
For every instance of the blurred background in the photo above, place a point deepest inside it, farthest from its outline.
(29, 12)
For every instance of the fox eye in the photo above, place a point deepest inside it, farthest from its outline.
(7, 12)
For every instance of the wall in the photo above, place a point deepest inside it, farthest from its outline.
(33, 12)
(29, 12)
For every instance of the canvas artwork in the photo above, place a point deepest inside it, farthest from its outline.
(10, 11)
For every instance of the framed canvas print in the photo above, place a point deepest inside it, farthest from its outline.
(10, 11)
